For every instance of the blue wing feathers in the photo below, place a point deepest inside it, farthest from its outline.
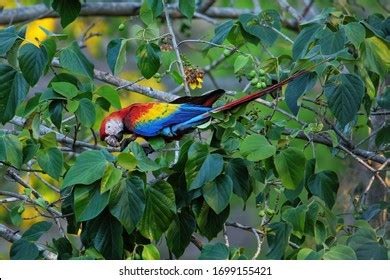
(184, 113)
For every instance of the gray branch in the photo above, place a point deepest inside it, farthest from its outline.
(12, 236)
(115, 9)
(124, 84)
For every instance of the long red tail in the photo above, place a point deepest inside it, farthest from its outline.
(189, 124)
(263, 92)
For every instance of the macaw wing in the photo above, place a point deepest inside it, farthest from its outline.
(149, 119)
(206, 99)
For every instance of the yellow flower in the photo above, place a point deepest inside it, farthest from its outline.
(194, 77)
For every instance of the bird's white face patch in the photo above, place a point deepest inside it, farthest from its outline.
(114, 127)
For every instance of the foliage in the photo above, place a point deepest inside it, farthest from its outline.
(120, 204)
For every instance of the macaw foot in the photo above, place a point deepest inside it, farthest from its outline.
(125, 142)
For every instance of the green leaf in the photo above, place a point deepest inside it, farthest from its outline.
(297, 218)
(68, 10)
(217, 251)
(240, 62)
(237, 170)
(89, 202)
(297, 88)
(187, 8)
(365, 245)
(311, 218)
(52, 161)
(111, 178)
(331, 42)
(86, 112)
(32, 62)
(262, 26)
(217, 193)
(105, 234)
(13, 90)
(116, 55)
(340, 252)
(110, 94)
(290, 164)
(382, 138)
(127, 161)
(11, 150)
(221, 32)
(384, 100)
(156, 6)
(197, 154)
(159, 212)
(379, 25)
(66, 89)
(73, 60)
(209, 222)
(23, 250)
(324, 185)
(148, 59)
(256, 147)
(150, 252)
(127, 202)
(376, 55)
(36, 231)
(344, 93)
(63, 248)
(355, 32)
(210, 169)
(146, 13)
(308, 254)
(303, 40)
(277, 239)
(180, 231)
(15, 215)
(8, 37)
(144, 163)
(55, 110)
(88, 168)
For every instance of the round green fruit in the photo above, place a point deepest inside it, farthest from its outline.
(226, 52)
(254, 81)
(252, 74)
(121, 27)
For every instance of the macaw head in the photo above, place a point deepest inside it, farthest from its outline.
(111, 129)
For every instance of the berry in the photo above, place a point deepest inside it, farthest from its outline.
(259, 85)
(226, 52)
(263, 85)
(254, 81)
(261, 72)
(252, 74)
(121, 27)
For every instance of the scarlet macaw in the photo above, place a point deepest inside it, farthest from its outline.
(171, 120)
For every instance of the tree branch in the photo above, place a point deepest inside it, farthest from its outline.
(114, 9)
(13, 236)
(176, 48)
(118, 82)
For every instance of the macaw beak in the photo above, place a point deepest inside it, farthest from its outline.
(114, 140)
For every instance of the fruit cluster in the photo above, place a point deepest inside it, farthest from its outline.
(257, 78)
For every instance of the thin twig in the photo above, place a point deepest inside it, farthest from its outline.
(225, 236)
(175, 48)
(197, 242)
(46, 183)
